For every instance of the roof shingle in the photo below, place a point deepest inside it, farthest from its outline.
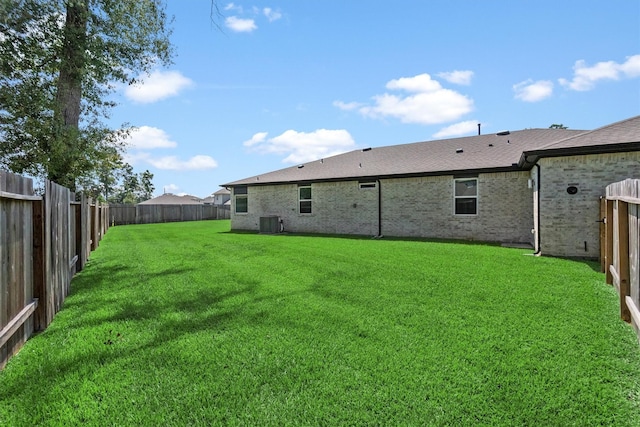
(490, 151)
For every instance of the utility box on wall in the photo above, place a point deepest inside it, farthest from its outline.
(269, 224)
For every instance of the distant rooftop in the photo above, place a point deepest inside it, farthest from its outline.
(173, 199)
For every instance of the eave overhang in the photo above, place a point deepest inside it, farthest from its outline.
(530, 158)
(457, 173)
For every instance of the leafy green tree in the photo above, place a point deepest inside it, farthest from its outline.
(557, 126)
(59, 61)
(133, 188)
(146, 186)
(102, 183)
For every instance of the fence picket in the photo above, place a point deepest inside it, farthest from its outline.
(43, 242)
(623, 247)
(151, 214)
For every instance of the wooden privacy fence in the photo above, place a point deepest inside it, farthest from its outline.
(151, 214)
(621, 248)
(44, 241)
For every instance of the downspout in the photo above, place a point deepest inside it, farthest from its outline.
(379, 209)
(538, 240)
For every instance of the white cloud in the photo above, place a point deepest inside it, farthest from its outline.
(158, 85)
(240, 25)
(198, 162)
(135, 157)
(347, 106)
(585, 77)
(271, 14)
(256, 139)
(530, 91)
(147, 137)
(303, 147)
(457, 77)
(232, 6)
(462, 128)
(428, 102)
(631, 67)
(419, 84)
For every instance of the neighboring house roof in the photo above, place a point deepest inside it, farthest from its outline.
(457, 155)
(210, 199)
(173, 199)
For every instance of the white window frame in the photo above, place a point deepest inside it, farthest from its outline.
(456, 197)
(300, 200)
(243, 195)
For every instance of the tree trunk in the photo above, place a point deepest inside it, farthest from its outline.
(69, 95)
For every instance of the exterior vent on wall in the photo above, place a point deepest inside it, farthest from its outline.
(269, 224)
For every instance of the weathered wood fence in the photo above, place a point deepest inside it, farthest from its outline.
(44, 241)
(621, 249)
(150, 214)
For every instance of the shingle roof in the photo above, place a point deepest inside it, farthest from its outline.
(173, 199)
(624, 131)
(482, 152)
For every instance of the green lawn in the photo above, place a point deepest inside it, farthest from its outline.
(189, 324)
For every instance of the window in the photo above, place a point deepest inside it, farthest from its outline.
(304, 194)
(241, 199)
(466, 196)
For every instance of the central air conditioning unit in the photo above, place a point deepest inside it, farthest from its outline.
(270, 224)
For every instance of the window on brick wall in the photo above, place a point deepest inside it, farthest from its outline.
(304, 199)
(465, 196)
(241, 199)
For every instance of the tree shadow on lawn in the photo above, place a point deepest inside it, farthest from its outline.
(104, 331)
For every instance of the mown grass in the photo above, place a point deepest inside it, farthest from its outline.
(189, 324)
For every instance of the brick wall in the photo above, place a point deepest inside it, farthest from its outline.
(411, 207)
(337, 208)
(423, 207)
(568, 221)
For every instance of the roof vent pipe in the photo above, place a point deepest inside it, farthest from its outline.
(478, 128)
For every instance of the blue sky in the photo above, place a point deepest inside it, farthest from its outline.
(282, 82)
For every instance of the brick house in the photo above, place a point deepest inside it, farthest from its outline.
(219, 198)
(539, 187)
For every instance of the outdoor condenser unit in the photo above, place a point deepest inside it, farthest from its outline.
(269, 224)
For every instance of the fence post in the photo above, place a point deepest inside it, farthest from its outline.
(94, 225)
(39, 280)
(609, 242)
(603, 234)
(623, 254)
(77, 211)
